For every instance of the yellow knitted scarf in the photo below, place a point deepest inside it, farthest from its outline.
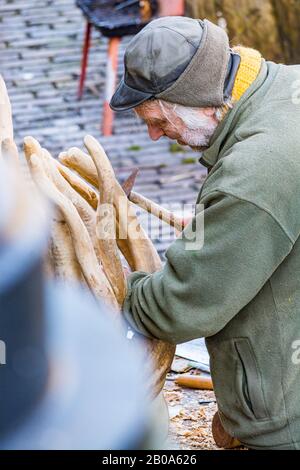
(248, 71)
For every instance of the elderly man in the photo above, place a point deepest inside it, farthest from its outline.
(241, 289)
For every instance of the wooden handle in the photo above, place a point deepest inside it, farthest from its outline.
(195, 381)
(157, 210)
(221, 437)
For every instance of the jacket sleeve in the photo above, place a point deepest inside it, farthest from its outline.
(200, 290)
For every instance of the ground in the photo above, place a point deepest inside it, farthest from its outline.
(190, 422)
(40, 51)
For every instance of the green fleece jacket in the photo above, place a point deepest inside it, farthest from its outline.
(241, 290)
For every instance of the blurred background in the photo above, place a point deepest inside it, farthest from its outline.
(271, 26)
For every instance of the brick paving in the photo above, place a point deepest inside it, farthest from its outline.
(40, 53)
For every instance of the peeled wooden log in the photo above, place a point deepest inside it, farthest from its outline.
(80, 185)
(81, 162)
(9, 151)
(106, 225)
(6, 125)
(8, 148)
(84, 250)
(160, 353)
(85, 211)
(92, 197)
(62, 256)
(137, 246)
(31, 146)
(62, 260)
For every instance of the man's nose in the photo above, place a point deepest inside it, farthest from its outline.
(155, 132)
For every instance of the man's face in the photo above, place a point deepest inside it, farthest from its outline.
(164, 121)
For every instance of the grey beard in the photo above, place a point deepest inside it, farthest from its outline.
(199, 139)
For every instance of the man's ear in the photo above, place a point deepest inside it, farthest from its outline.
(209, 111)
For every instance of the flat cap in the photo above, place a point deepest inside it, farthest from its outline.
(178, 59)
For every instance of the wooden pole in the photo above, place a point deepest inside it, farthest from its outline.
(111, 75)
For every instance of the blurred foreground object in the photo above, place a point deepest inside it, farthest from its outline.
(69, 380)
(6, 125)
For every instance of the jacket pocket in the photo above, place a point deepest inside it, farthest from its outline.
(249, 381)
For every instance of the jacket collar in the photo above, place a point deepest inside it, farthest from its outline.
(225, 128)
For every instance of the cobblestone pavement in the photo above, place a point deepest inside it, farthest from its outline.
(40, 53)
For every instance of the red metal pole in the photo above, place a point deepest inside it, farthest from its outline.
(84, 60)
(111, 75)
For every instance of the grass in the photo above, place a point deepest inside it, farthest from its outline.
(188, 160)
(135, 148)
(175, 148)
